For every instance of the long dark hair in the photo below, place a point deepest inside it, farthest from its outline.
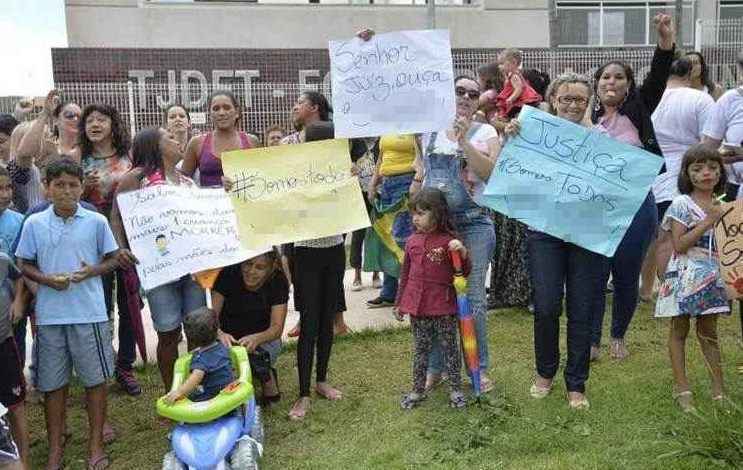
(120, 138)
(598, 110)
(696, 154)
(705, 71)
(432, 199)
(319, 100)
(56, 112)
(146, 152)
(228, 94)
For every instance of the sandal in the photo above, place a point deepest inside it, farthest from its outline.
(486, 384)
(99, 463)
(457, 400)
(540, 392)
(618, 349)
(580, 403)
(109, 433)
(684, 400)
(294, 332)
(411, 400)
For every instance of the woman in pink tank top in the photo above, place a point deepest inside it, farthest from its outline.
(203, 152)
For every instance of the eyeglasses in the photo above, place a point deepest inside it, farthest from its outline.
(579, 100)
(70, 115)
(461, 91)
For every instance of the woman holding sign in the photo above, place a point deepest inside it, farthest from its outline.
(559, 268)
(623, 112)
(155, 153)
(204, 151)
(458, 161)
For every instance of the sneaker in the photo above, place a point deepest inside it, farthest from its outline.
(356, 286)
(377, 283)
(379, 302)
(127, 381)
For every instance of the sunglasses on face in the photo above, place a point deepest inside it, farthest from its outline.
(461, 91)
(70, 115)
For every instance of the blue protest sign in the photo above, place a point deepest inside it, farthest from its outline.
(570, 182)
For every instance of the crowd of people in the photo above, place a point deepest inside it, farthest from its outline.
(66, 267)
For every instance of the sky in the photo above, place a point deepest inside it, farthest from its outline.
(30, 29)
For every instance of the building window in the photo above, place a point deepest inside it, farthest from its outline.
(616, 23)
(731, 9)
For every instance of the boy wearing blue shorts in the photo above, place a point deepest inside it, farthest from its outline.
(66, 249)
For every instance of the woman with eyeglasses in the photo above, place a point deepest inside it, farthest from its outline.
(623, 112)
(458, 161)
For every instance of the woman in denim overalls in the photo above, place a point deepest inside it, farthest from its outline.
(458, 161)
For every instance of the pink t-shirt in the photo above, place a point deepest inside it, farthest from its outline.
(619, 127)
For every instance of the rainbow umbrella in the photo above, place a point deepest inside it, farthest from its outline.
(134, 304)
(466, 324)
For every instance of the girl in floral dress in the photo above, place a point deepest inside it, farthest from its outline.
(692, 286)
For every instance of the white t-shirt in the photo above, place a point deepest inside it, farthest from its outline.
(726, 123)
(478, 137)
(678, 121)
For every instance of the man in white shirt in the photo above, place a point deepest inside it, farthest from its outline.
(725, 126)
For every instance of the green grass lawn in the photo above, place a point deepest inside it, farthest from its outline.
(632, 422)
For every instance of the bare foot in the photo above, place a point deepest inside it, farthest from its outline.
(299, 410)
(341, 329)
(294, 332)
(325, 390)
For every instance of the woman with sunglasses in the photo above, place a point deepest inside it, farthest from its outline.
(458, 161)
(54, 132)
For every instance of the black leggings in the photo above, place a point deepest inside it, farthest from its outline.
(319, 278)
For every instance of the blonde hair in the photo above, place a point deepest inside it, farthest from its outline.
(512, 53)
(567, 78)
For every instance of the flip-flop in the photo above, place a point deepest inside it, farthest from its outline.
(99, 463)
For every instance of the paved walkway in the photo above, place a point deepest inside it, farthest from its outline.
(358, 317)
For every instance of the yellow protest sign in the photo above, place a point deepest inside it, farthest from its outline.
(291, 193)
(729, 238)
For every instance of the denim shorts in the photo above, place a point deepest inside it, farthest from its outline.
(170, 303)
(86, 347)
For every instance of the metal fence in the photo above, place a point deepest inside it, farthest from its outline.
(265, 104)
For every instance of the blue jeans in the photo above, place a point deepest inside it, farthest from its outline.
(389, 287)
(171, 302)
(625, 269)
(558, 267)
(479, 238)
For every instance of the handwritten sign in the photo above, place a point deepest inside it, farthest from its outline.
(395, 83)
(292, 193)
(178, 230)
(570, 182)
(729, 238)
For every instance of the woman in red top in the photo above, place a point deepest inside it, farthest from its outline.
(426, 292)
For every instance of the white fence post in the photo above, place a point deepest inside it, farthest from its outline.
(132, 119)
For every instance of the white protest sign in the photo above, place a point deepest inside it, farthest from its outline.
(179, 230)
(395, 83)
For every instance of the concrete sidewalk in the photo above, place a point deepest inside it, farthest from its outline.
(358, 317)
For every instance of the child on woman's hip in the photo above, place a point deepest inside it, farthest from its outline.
(426, 293)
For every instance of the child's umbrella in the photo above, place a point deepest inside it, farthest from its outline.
(206, 280)
(466, 324)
